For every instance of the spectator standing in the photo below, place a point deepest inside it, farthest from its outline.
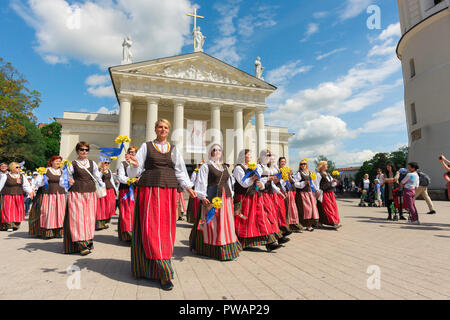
(410, 183)
(422, 190)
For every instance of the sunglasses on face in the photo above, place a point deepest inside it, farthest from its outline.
(17, 167)
(303, 164)
(216, 150)
(83, 149)
(107, 162)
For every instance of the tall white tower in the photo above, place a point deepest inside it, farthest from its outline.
(424, 51)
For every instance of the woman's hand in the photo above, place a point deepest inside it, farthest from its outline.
(31, 195)
(192, 193)
(275, 180)
(71, 182)
(254, 177)
(206, 202)
(133, 161)
(259, 184)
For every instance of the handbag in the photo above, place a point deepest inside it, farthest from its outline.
(99, 189)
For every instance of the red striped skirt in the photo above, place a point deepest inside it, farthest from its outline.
(309, 204)
(53, 209)
(158, 219)
(13, 208)
(82, 208)
(220, 230)
(280, 208)
(330, 207)
(271, 212)
(126, 210)
(106, 206)
(180, 200)
(254, 222)
(292, 208)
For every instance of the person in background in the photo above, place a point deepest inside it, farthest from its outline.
(422, 190)
(3, 168)
(380, 177)
(28, 200)
(410, 183)
(366, 183)
(377, 188)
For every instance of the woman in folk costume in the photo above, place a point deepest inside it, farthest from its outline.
(328, 210)
(270, 207)
(51, 205)
(106, 206)
(194, 207)
(279, 198)
(155, 216)
(291, 207)
(125, 225)
(216, 238)
(79, 221)
(12, 187)
(305, 198)
(253, 227)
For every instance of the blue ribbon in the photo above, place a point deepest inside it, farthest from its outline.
(210, 214)
(66, 177)
(111, 152)
(288, 184)
(312, 185)
(250, 173)
(45, 181)
(129, 194)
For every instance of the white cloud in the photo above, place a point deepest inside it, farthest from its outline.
(286, 72)
(92, 31)
(320, 15)
(97, 80)
(262, 18)
(102, 91)
(389, 119)
(100, 86)
(323, 56)
(114, 110)
(312, 29)
(353, 8)
(393, 30)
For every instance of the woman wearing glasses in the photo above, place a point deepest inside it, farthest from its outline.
(106, 206)
(12, 187)
(155, 216)
(79, 222)
(125, 225)
(305, 198)
(49, 204)
(216, 239)
(253, 227)
(328, 210)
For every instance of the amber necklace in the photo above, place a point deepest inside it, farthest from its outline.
(157, 149)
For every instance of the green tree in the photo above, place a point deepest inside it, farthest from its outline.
(16, 102)
(331, 165)
(51, 134)
(28, 147)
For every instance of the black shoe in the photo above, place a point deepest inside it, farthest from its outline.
(168, 286)
(389, 217)
(283, 240)
(272, 246)
(287, 233)
(402, 218)
(432, 212)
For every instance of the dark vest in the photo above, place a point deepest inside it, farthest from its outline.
(124, 185)
(83, 181)
(107, 180)
(304, 177)
(53, 184)
(238, 189)
(217, 180)
(11, 186)
(325, 185)
(159, 169)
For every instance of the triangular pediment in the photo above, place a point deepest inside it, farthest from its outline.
(196, 66)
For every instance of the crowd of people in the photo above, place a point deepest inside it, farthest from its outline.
(254, 204)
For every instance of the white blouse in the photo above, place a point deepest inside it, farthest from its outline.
(239, 173)
(25, 184)
(39, 182)
(179, 165)
(194, 177)
(70, 172)
(298, 180)
(270, 172)
(111, 179)
(201, 185)
(319, 178)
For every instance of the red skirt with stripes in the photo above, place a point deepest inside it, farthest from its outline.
(53, 209)
(126, 210)
(330, 208)
(271, 212)
(181, 202)
(82, 208)
(280, 207)
(13, 208)
(292, 208)
(158, 220)
(253, 221)
(106, 206)
(220, 230)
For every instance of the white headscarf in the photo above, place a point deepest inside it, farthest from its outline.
(241, 157)
(263, 159)
(220, 160)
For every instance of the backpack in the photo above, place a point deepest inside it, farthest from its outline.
(424, 179)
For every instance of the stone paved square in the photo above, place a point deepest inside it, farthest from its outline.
(414, 263)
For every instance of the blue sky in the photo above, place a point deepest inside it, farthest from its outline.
(339, 83)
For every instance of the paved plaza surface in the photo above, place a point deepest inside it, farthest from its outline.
(413, 263)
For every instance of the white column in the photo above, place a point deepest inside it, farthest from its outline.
(152, 117)
(178, 124)
(215, 124)
(260, 131)
(239, 131)
(124, 121)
